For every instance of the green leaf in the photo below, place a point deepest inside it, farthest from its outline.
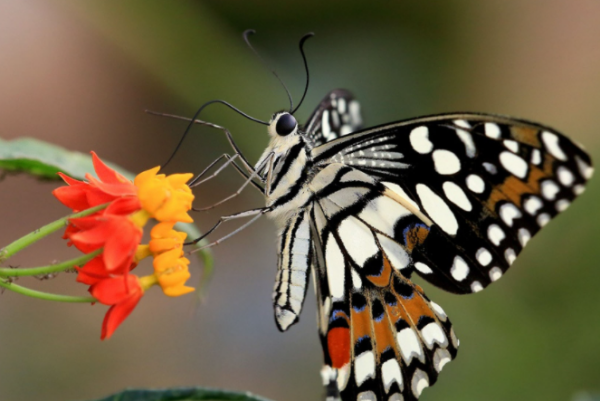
(182, 394)
(44, 160)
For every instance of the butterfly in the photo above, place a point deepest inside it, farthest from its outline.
(452, 198)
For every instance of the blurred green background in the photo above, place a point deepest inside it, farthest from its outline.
(80, 74)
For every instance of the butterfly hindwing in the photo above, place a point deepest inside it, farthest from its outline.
(337, 115)
(487, 184)
(381, 336)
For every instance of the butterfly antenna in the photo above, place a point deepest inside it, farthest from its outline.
(246, 35)
(187, 130)
(304, 38)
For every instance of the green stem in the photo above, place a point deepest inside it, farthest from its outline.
(45, 295)
(57, 268)
(40, 233)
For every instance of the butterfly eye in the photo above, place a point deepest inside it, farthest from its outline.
(286, 125)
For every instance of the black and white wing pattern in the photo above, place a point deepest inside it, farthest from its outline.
(337, 115)
(454, 198)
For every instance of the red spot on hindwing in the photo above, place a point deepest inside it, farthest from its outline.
(338, 344)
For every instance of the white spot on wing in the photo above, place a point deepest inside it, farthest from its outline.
(433, 333)
(536, 156)
(394, 252)
(483, 256)
(446, 162)
(475, 183)
(514, 164)
(419, 140)
(551, 142)
(562, 205)
(364, 367)
(509, 212)
(410, 346)
(325, 128)
(578, 189)
(437, 209)
(511, 145)
(476, 286)
(459, 269)
(495, 234)
(382, 213)
(532, 205)
(457, 196)
(423, 268)
(524, 236)
(356, 281)
(365, 396)
(438, 310)
(358, 239)
(510, 255)
(467, 140)
(543, 219)
(495, 273)
(420, 381)
(390, 372)
(441, 358)
(549, 189)
(492, 130)
(585, 169)
(399, 191)
(335, 268)
(565, 176)
(462, 123)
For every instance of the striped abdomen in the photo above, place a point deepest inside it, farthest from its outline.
(293, 268)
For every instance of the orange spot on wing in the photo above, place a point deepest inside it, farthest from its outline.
(416, 307)
(415, 236)
(513, 188)
(384, 337)
(338, 345)
(383, 280)
(361, 323)
(526, 135)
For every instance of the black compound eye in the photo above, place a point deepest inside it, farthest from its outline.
(286, 125)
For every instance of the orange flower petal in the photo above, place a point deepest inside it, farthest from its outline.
(105, 173)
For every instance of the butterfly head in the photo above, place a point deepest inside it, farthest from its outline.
(283, 124)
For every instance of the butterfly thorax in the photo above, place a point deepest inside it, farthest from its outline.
(285, 167)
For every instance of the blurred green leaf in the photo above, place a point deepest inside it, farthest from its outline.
(182, 394)
(42, 159)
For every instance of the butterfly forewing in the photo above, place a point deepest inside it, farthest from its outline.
(337, 115)
(487, 183)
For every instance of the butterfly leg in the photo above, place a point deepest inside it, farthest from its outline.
(232, 143)
(249, 180)
(257, 213)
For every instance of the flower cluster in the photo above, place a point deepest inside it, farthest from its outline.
(117, 231)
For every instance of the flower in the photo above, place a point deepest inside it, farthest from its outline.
(166, 198)
(118, 231)
(81, 195)
(122, 295)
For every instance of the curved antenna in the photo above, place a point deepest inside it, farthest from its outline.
(246, 34)
(187, 130)
(304, 38)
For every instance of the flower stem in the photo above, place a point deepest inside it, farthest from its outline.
(42, 232)
(57, 268)
(45, 295)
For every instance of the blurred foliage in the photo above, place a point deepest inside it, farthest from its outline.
(44, 160)
(182, 394)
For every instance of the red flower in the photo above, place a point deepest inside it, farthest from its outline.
(80, 195)
(122, 294)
